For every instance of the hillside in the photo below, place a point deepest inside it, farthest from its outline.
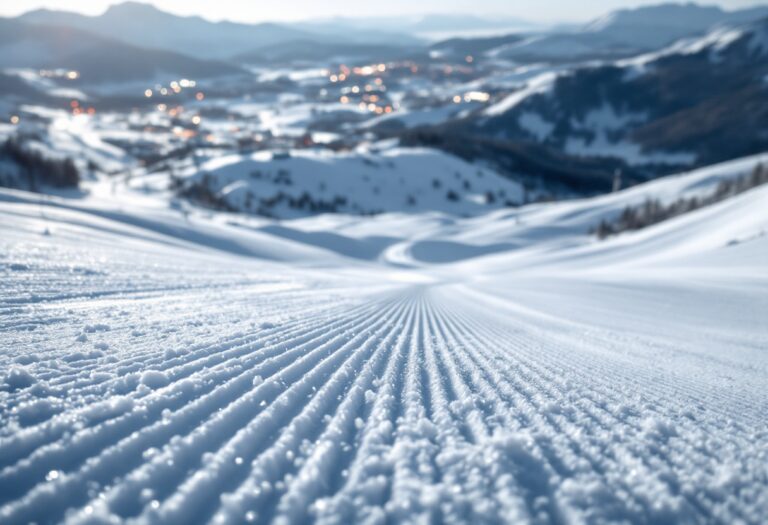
(627, 32)
(206, 367)
(144, 25)
(639, 112)
(304, 183)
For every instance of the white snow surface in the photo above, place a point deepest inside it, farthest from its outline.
(167, 367)
(605, 120)
(542, 83)
(378, 178)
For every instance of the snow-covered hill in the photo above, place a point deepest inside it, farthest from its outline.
(628, 32)
(308, 182)
(176, 366)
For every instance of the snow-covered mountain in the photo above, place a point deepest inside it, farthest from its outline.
(432, 27)
(628, 32)
(145, 25)
(696, 102)
(97, 59)
(654, 26)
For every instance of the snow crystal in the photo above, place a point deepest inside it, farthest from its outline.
(52, 475)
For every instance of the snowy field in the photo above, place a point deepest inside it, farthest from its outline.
(168, 367)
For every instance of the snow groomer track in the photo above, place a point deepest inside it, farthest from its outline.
(147, 379)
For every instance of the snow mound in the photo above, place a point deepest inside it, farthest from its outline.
(154, 379)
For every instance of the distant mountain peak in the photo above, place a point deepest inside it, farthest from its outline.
(133, 7)
(674, 14)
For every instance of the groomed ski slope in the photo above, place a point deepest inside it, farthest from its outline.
(167, 369)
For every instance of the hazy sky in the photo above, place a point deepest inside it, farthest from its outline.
(547, 10)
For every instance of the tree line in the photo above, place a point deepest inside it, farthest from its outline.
(34, 170)
(653, 211)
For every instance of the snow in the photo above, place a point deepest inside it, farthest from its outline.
(154, 379)
(424, 117)
(542, 83)
(256, 373)
(18, 378)
(604, 122)
(370, 180)
(630, 152)
(606, 118)
(713, 42)
(536, 125)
